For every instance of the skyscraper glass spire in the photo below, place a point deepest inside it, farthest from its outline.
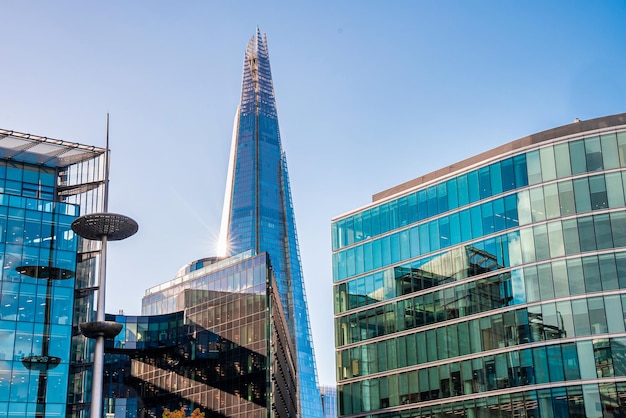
(258, 212)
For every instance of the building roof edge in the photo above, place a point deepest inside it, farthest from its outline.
(576, 127)
(41, 150)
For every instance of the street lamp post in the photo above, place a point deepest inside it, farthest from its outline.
(103, 227)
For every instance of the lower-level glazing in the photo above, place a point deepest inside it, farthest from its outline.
(226, 352)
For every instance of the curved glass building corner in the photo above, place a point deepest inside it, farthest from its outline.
(213, 338)
(493, 287)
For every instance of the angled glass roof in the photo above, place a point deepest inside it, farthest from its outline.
(40, 150)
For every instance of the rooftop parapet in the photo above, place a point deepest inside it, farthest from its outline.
(575, 128)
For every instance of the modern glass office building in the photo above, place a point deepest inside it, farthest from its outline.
(495, 287)
(258, 211)
(213, 338)
(44, 185)
(329, 401)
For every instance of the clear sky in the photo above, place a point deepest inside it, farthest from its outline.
(370, 94)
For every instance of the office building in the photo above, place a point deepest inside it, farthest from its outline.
(495, 287)
(258, 211)
(48, 278)
(212, 338)
(329, 401)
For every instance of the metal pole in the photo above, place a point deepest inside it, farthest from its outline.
(98, 363)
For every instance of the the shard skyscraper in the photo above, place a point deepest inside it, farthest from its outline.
(258, 212)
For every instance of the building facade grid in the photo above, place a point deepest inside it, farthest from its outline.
(259, 213)
(45, 184)
(498, 290)
(216, 339)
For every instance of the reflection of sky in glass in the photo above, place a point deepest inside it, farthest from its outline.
(515, 249)
(259, 207)
(517, 287)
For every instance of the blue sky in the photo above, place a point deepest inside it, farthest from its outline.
(370, 94)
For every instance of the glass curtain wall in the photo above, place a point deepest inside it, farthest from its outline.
(219, 343)
(83, 185)
(38, 279)
(259, 213)
(508, 278)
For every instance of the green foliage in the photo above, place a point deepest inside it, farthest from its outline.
(181, 413)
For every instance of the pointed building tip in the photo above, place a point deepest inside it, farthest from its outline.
(258, 41)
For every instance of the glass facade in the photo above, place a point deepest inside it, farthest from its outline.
(258, 208)
(39, 199)
(215, 339)
(329, 401)
(496, 290)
